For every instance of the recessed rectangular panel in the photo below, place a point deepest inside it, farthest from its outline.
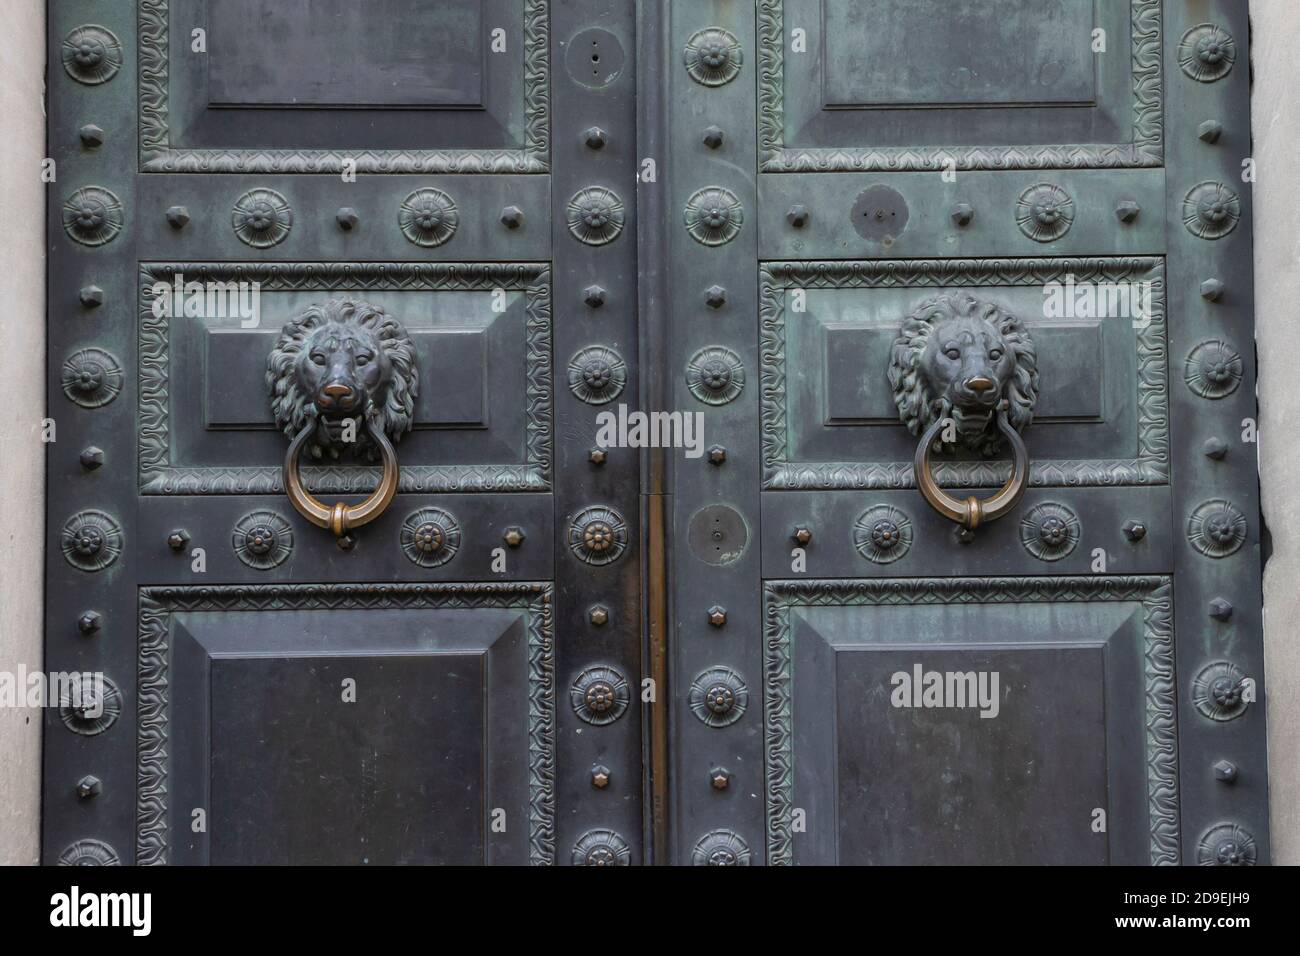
(941, 52)
(380, 53)
(971, 721)
(394, 777)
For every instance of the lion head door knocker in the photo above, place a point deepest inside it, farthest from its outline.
(965, 376)
(343, 380)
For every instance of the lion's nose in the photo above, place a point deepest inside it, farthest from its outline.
(979, 384)
(338, 391)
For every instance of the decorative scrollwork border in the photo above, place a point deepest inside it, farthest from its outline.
(1145, 149)
(158, 604)
(1155, 594)
(158, 476)
(1150, 467)
(159, 155)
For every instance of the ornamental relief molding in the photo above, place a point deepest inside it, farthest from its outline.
(1149, 467)
(159, 155)
(1160, 715)
(1145, 148)
(153, 706)
(158, 476)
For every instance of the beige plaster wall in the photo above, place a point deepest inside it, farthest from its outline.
(22, 456)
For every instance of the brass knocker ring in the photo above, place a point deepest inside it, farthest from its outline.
(972, 512)
(341, 518)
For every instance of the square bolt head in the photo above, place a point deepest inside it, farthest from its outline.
(1135, 530)
(717, 455)
(600, 777)
(1220, 609)
(1215, 448)
(715, 296)
(514, 536)
(713, 137)
(178, 216)
(798, 215)
(599, 615)
(801, 534)
(90, 622)
(347, 218)
(598, 456)
(92, 457)
(1127, 210)
(178, 539)
(88, 786)
(1212, 289)
(962, 213)
(91, 135)
(720, 778)
(595, 137)
(92, 296)
(717, 615)
(1210, 131)
(512, 217)
(594, 296)
(1225, 771)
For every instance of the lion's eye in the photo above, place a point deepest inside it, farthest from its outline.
(953, 354)
(318, 358)
(364, 358)
(995, 354)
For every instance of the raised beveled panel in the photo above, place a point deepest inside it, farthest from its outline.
(889, 53)
(829, 420)
(361, 54)
(896, 85)
(243, 712)
(480, 331)
(1081, 718)
(394, 86)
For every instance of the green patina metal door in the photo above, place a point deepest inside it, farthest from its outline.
(963, 566)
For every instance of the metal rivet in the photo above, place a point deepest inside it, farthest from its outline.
(599, 615)
(962, 213)
(1220, 609)
(720, 778)
(717, 615)
(797, 215)
(713, 137)
(595, 137)
(90, 622)
(514, 536)
(1135, 530)
(1215, 448)
(1127, 210)
(715, 296)
(88, 786)
(598, 456)
(512, 217)
(963, 535)
(92, 457)
(717, 455)
(91, 135)
(599, 777)
(1212, 289)
(92, 296)
(1210, 131)
(347, 218)
(346, 542)
(178, 217)
(178, 539)
(594, 296)
(1225, 771)
(801, 534)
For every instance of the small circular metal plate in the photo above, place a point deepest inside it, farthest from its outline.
(718, 535)
(880, 214)
(595, 58)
